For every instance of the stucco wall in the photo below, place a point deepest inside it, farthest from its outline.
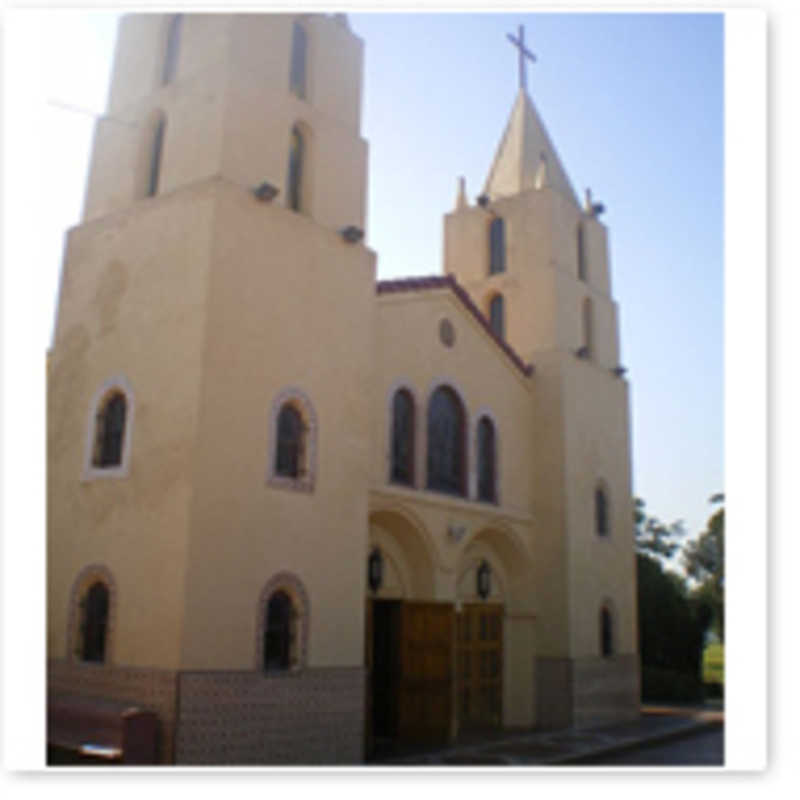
(290, 305)
(132, 305)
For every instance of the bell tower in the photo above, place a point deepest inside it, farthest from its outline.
(217, 287)
(535, 261)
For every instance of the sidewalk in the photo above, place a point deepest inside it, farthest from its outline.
(656, 724)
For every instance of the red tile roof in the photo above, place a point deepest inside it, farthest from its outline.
(449, 282)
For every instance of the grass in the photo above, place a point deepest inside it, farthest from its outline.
(713, 669)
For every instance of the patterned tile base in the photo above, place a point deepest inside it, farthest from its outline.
(315, 716)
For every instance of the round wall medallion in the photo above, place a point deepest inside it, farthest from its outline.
(447, 333)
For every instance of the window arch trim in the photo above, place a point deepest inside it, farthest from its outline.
(117, 383)
(304, 482)
(292, 586)
(86, 578)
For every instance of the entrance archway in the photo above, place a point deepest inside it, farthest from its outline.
(490, 582)
(409, 639)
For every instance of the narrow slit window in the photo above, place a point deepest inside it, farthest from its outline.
(110, 432)
(298, 63)
(497, 320)
(173, 47)
(156, 152)
(94, 623)
(497, 246)
(403, 438)
(295, 178)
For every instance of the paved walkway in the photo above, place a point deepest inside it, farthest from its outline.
(529, 748)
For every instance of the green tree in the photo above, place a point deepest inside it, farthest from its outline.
(704, 559)
(653, 537)
(671, 625)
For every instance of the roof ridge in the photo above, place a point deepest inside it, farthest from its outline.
(449, 281)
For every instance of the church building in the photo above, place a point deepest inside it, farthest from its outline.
(300, 514)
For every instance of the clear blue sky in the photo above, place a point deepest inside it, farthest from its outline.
(634, 106)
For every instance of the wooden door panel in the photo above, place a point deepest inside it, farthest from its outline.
(424, 692)
(479, 665)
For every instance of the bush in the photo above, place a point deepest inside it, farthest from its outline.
(670, 686)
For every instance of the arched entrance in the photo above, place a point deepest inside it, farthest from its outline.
(409, 638)
(490, 584)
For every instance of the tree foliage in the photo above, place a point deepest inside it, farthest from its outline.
(653, 537)
(704, 560)
(672, 623)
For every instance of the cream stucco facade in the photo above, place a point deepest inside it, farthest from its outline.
(209, 309)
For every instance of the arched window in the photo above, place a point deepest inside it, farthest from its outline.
(497, 246)
(173, 45)
(446, 457)
(600, 512)
(292, 441)
(403, 438)
(156, 152)
(487, 490)
(497, 316)
(94, 623)
(606, 633)
(279, 632)
(581, 254)
(290, 452)
(110, 431)
(297, 65)
(295, 177)
(587, 328)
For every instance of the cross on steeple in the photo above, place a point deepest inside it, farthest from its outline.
(523, 54)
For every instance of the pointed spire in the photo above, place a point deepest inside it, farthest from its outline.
(518, 163)
(461, 198)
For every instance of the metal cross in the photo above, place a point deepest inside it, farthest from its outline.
(523, 54)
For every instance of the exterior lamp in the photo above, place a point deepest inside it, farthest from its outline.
(484, 580)
(483, 200)
(619, 371)
(351, 234)
(375, 570)
(265, 192)
(582, 352)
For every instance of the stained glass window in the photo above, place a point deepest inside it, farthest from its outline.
(446, 463)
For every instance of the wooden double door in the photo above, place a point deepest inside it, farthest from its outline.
(409, 658)
(429, 667)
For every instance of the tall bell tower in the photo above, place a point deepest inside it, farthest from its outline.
(535, 260)
(217, 285)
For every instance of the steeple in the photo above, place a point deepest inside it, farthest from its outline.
(524, 148)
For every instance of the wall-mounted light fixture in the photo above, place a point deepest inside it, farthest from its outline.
(582, 352)
(483, 200)
(375, 569)
(266, 192)
(351, 234)
(619, 371)
(484, 580)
